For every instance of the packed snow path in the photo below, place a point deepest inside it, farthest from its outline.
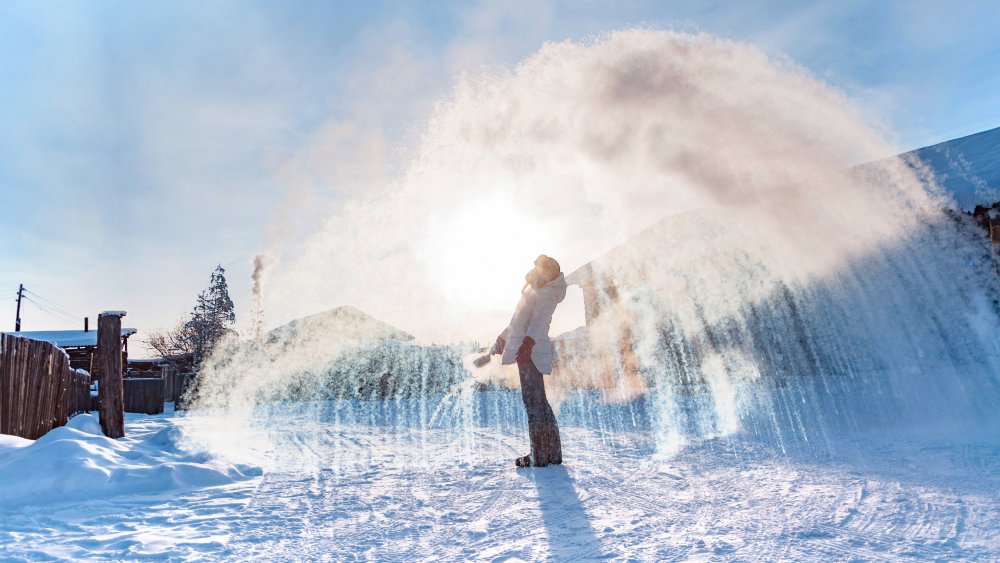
(406, 496)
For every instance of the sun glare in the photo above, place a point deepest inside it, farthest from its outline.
(478, 255)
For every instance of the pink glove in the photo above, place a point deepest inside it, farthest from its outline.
(499, 346)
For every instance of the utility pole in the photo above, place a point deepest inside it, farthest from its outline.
(17, 317)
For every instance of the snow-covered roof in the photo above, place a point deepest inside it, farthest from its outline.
(67, 338)
(968, 168)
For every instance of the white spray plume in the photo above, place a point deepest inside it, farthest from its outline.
(584, 145)
(581, 146)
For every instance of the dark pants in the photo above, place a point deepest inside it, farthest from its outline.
(546, 447)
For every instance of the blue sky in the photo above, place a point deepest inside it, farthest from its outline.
(143, 143)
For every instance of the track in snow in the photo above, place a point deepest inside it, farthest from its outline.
(359, 492)
(726, 498)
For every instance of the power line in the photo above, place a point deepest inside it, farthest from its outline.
(49, 302)
(52, 304)
(56, 318)
(48, 310)
(54, 313)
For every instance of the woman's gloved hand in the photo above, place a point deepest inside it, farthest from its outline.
(499, 346)
(524, 352)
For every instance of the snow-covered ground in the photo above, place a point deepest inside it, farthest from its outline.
(325, 490)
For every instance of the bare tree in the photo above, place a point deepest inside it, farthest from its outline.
(211, 319)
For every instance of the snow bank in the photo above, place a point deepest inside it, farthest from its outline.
(77, 462)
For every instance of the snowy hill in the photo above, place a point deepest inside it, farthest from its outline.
(343, 322)
(968, 168)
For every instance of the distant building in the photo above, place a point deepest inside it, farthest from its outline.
(968, 168)
(602, 354)
(80, 345)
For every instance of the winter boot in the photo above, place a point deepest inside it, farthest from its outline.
(538, 457)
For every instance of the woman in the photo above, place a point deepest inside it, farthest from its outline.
(526, 342)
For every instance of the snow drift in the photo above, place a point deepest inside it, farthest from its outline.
(77, 462)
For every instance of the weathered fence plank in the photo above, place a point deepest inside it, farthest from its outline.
(32, 386)
(6, 378)
(176, 382)
(60, 392)
(41, 405)
(21, 348)
(79, 396)
(185, 383)
(8, 383)
(15, 386)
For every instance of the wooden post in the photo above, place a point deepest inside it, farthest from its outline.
(109, 360)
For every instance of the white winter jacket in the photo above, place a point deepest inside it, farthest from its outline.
(532, 318)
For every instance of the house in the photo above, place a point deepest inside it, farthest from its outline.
(601, 355)
(80, 345)
(968, 168)
(625, 308)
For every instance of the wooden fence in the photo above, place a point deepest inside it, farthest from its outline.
(38, 390)
(144, 394)
(79, 391)
(177, 384)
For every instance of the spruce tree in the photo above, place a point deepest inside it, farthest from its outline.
(211, 320)
(213, 316)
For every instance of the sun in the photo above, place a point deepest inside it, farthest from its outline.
(478, 255)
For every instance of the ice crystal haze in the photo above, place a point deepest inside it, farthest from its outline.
(769, 283)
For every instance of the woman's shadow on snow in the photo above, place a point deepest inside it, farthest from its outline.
(566, 521)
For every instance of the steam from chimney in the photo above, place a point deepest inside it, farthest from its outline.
(261, 263)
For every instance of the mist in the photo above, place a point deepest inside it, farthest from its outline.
(581, 146)
(743, 188)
